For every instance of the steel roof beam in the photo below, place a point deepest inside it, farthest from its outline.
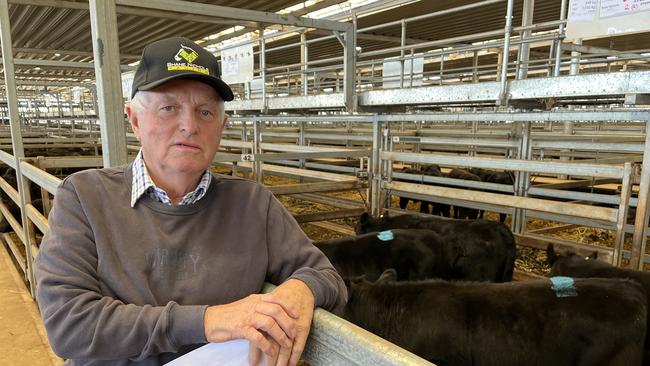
(135, 11)
(189, 7)
(64, 64)
(52, 3)
(67, 52)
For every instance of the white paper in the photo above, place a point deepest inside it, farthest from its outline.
(582, 10)
(231, 353)
(611, 8)
(237, 64)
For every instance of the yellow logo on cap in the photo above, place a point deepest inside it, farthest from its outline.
(187, 54)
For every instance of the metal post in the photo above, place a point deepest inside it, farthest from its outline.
(524, 49)
(106, 53)
(568, 130)
(16, 137)
(258, 175)
(522, 178)
(304, 58)
(558, 45)
(442, 65)
(499, 63)
(475, 67)
(621, 219)
(401, 55)
(575, 59)
(641, 219)
(549, 61)
(59, 113)
(263, 70)
(244, 138)
(349, 68)
(375, 173)
(506, 51)
(301, 142)
(411, 75)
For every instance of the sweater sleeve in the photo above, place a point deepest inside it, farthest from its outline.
(82, 323)
(292, 255)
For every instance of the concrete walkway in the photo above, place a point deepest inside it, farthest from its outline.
(22, 336)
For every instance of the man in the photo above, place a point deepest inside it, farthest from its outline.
(147, 261)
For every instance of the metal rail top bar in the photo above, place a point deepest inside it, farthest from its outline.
(235, 13)
(40, 177)
(297, 148)
(575, 145)
(535, 166)
(8, 159)
(335, 341)
(457, 141)
(309, 155)
(453, 182)
(37, 218)
(520, 116)
(586, 211)
(579, 116)
(341, 118)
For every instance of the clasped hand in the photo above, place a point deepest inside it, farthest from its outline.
(276, 324)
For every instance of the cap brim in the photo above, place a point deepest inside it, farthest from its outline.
(219, 85)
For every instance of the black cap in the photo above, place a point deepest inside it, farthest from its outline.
(178, 58)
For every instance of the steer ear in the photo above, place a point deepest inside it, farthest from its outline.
(594, 255)
(349, 281)
(389, 275)
(551, 256)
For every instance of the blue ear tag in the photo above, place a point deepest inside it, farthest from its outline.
(563, 286)
(385, 235)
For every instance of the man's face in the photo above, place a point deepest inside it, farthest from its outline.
(179, 126)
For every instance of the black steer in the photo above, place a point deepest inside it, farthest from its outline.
(517, 323)
(575, 265)
(493, 176)
(408, 251)
(464, 212)
(416, 254)
(427, 207)
(491, 242)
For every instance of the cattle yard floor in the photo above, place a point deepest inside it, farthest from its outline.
(22, 335)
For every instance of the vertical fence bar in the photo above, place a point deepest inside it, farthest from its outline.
(16, 136)
(401, 54)
(558, 44)
(641, 220)
(524, 48)
(506, 53)
(106, 54)
(575, 59)
(263, 69)
(304, 58)
(349, 68)
(375, 173)
(258, 175)
(621, 219)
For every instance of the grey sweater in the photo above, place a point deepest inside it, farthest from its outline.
(118, 285)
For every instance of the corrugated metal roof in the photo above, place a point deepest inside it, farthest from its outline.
(67, 32)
